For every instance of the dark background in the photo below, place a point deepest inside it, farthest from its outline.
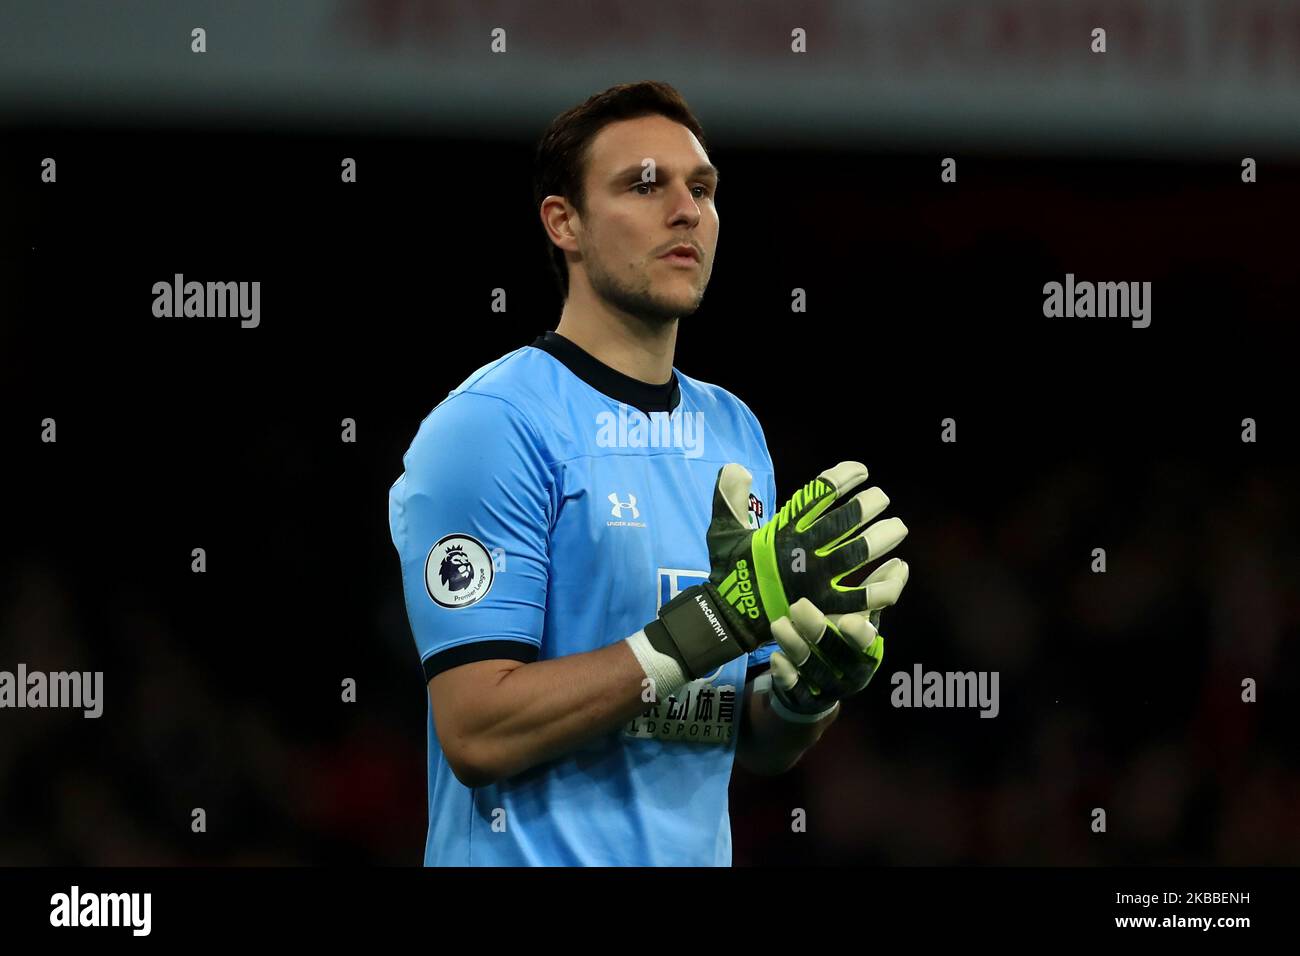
(222, 690)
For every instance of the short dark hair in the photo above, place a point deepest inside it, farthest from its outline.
(561, 162)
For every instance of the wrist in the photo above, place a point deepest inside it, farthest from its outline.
(693, 629)
(666, 673)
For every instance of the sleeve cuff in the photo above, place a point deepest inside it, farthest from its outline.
(474, 651)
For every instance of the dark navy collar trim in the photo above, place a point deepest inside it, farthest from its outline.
(622, 388)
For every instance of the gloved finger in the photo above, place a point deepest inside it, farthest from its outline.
(893, 572)
(861, 550)
(796, 646)
(844, 477)
(838, 526)
(789, 639)
(783, 672)
(893, 568)
(808, 621)
(855, 630)
(875, 541)
(841, 656)
(794, 689)
(731, 494)
(829, 680)
(867, 597)
(839, 619)
(811, 501)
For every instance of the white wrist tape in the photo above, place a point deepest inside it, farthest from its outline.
(665, 672)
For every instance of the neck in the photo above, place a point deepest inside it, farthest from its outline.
(640, 350)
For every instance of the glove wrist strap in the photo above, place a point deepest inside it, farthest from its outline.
(691, 627)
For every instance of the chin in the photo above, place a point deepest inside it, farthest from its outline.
(687, 302)
(686, 308)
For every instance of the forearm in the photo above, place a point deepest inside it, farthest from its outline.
(545, 709)
(770, 744)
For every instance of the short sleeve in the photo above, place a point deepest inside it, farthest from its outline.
(470, 518)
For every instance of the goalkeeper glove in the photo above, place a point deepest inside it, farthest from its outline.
(753, 579)
(826, 658)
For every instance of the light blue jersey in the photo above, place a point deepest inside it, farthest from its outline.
(541, 514)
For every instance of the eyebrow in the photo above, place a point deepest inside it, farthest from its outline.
(702, 171)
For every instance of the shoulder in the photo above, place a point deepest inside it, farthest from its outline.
(494, 407)
(721, 404)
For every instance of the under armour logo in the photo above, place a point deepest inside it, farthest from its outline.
(617, 510)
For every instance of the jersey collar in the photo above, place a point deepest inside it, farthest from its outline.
(622, 388)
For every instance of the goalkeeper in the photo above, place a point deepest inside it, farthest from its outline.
(609, 613)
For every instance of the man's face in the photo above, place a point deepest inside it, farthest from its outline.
(629, 223)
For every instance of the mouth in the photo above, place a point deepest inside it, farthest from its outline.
(681, 256)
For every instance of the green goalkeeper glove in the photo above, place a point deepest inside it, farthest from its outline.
(826, 658)
(802, 552)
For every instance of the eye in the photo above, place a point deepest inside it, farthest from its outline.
(705, 191)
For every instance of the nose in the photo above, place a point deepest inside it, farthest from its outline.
(686, 211)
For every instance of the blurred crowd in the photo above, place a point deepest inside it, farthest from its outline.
(1119, 691)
